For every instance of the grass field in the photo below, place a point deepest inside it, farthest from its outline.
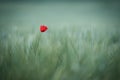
(89, 50)
(76, 53)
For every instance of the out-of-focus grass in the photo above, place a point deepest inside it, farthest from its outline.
(76, 53)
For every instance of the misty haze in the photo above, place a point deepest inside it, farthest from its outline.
(82, 41)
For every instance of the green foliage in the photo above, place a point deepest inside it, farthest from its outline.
(68, 54)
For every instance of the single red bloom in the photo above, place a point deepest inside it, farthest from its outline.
(43, 28)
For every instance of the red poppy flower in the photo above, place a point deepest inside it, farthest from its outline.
(43, 28)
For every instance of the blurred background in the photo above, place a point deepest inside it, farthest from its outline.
(57, 12)
(82, 41)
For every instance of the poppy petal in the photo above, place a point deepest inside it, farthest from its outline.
(43, 28)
